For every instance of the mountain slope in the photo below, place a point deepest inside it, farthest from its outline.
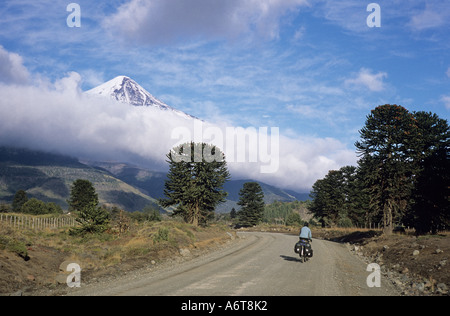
(124, 89)
(49, 177)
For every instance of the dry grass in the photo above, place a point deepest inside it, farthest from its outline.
(141, 244)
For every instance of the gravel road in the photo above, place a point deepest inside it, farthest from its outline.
(259, 264)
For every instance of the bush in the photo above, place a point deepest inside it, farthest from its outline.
(162, 235)
(14, 246)
(34, 207)
(294, 219)
(345, 222)
(37, 207)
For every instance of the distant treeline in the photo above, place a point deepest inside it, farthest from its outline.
(402, 176)
(33, 206)
(287, 213)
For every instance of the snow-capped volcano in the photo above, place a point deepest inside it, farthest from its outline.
(126, 90)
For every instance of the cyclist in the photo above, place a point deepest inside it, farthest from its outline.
(305, 232)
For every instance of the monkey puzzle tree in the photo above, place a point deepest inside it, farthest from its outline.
(431, 207)
(387, 142)
(84, 200)
(197, 173)
(82, 195)
(252, 204)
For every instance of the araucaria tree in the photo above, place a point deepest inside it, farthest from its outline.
(197, 173)
(82, 195)
(84, 200)
(431, 207)
(336, 199)
(402, 176)
(252, 204)
(385, 149)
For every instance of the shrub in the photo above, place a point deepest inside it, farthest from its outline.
(162, 235)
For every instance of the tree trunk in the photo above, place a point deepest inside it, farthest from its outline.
(387, 217)
(195, 216)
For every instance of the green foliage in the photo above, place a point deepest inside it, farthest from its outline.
(53, 208)
(37, 207)
(92, 219)
(20, 198)
(294, 219)
(5, 208)
(233, 213)
(252, 204)
(82, 195)
(402, 175)
(15, 246)
(84, 200)
(385, 148)
(338, 196)
(195, 181)
(285, 212)
(162, 235)
(431, 207)
(148, 213)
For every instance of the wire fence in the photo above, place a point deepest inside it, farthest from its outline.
(35, 222)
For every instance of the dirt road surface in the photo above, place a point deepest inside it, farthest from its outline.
(259, 264)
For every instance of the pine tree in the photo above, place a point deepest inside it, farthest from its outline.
(233, 213)
(252, 204)
(197, 173)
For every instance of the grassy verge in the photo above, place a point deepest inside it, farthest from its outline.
(31, 259)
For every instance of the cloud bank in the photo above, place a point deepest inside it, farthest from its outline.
(61, 118)
(12, 69)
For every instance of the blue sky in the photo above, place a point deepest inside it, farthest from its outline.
(312, 68)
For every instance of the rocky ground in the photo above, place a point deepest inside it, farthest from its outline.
(416, 265)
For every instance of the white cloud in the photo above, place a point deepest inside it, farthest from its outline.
(163, 21)
(61, 118)
(372, 81)
(12, 69)
(299, 34)
(436, 15)
(446, 100)
(345, 13)
(426, 19)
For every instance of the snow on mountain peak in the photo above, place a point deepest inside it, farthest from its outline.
(126, 90)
